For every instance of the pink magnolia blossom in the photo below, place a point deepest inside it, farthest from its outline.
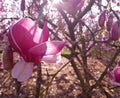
(32, 44)
(115, 76)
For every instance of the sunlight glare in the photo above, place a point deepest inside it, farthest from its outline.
(56, 1)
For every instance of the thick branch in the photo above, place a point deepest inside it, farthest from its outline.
(64, 16)
(38, 82)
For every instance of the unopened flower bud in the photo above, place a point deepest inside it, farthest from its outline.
(115, 31)
(114, 1)
(102, 19)
(109, 22)
(7, 58)
(22, 5)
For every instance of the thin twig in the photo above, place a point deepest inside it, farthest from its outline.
(46, 89)
(18, 86)
(38, 82)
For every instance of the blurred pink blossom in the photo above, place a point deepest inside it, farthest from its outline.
(92, 16)
(115, 76)
(114, 1)
(71, 6)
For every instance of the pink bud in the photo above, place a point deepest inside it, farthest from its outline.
(118, 4)
(102, 19)
(22, 5)
(114, 1)
(109, 22)
(92, 16)
(7, 58)
(115, 31)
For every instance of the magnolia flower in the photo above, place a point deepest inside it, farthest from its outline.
(32, 44)
(115, 76)
(109, 22)
(115, 31)
(102, 19)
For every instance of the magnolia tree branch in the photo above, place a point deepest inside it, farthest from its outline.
(71, 27)
(64, 15)
(68, 22)
(79, 76)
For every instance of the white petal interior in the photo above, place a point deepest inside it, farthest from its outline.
(52, 58)
(22, 70)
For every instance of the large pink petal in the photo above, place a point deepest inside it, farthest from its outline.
(24, 35)
(25, 31)
(12, 42)
(45, 33)
(22, 70)
(47, 48)
(52, 58)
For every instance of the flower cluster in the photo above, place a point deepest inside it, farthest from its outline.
(110, 25)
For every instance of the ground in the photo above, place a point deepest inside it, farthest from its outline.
(64, 85)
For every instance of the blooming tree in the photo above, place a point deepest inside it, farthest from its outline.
(87, 28)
